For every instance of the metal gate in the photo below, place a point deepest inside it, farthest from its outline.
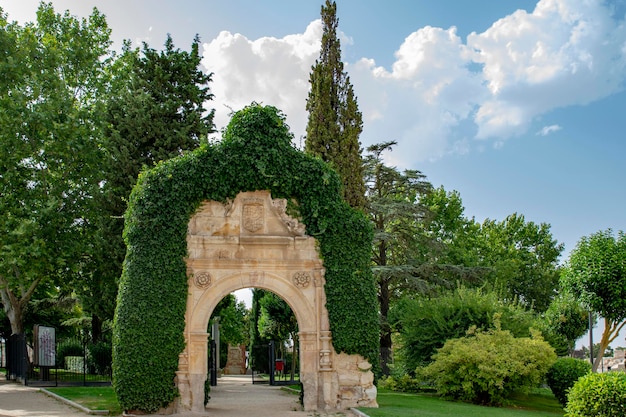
(270, 367)
(84, 364)
(17, 358)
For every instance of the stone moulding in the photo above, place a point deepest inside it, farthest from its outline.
(252, 242)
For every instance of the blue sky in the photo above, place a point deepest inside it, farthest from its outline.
(516, 104)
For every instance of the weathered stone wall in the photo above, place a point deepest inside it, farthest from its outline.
(355, 382)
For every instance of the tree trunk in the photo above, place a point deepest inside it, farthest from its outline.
(385, 331)
(15, 307)
(96, 328)
(14, 311)
(611, 331)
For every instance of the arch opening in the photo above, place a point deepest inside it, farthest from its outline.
(256, 337)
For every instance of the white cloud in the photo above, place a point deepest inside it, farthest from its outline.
(565, 52)
(441, 91)
(546, 130)
(268, 70)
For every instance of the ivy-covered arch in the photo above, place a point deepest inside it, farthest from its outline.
(256, 153)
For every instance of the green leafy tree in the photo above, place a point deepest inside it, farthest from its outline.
(155, 111)
(233, 320)
(277, 321)
(258, 343)
(393, 207)
(486, 367)
(516, 258)
(52, 93)
(424, 324)
(335, 121)
(596, 275)
(564, 322)
(453, 239)
(523, 257)
(233, 324)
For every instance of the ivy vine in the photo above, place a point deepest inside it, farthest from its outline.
(256, 153)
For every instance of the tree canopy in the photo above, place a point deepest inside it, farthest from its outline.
(596, 275)
(52, 93)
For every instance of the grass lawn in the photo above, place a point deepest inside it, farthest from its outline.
(540, 403)
(94, 398)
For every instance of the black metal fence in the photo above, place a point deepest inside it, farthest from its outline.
(75, 363)
(268, 369)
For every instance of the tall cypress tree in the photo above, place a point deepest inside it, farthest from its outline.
(335, 121)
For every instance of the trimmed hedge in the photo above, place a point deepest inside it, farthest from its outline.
(563, 374)
(256, 153)
(598, 395)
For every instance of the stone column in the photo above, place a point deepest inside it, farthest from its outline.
(182, 382)
(198, 353)
(308, 369)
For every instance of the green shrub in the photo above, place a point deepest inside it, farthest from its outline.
(207, 390)
(69, 348)
(425, 324)
(100, 358)
(598, 395)
(404, 383)
(486, 367)
(563, 374)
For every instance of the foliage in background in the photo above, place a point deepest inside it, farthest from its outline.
(564, 322)
(523, 258)
(52, 93)
(453, 239)
(519, 259)
(258, 344)
(70, 347)
(425, 324)
(404, 383)
(595, 395)
(155, 111)
(392, 204)
(256, 153)
(563, 374)
(486, 367)
(277, 322)
(99, 358)
(233, 322)
(595, 274)
(335, 122)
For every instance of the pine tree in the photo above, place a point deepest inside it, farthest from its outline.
(335, 122)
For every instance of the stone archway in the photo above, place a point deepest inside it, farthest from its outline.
(252, 242)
